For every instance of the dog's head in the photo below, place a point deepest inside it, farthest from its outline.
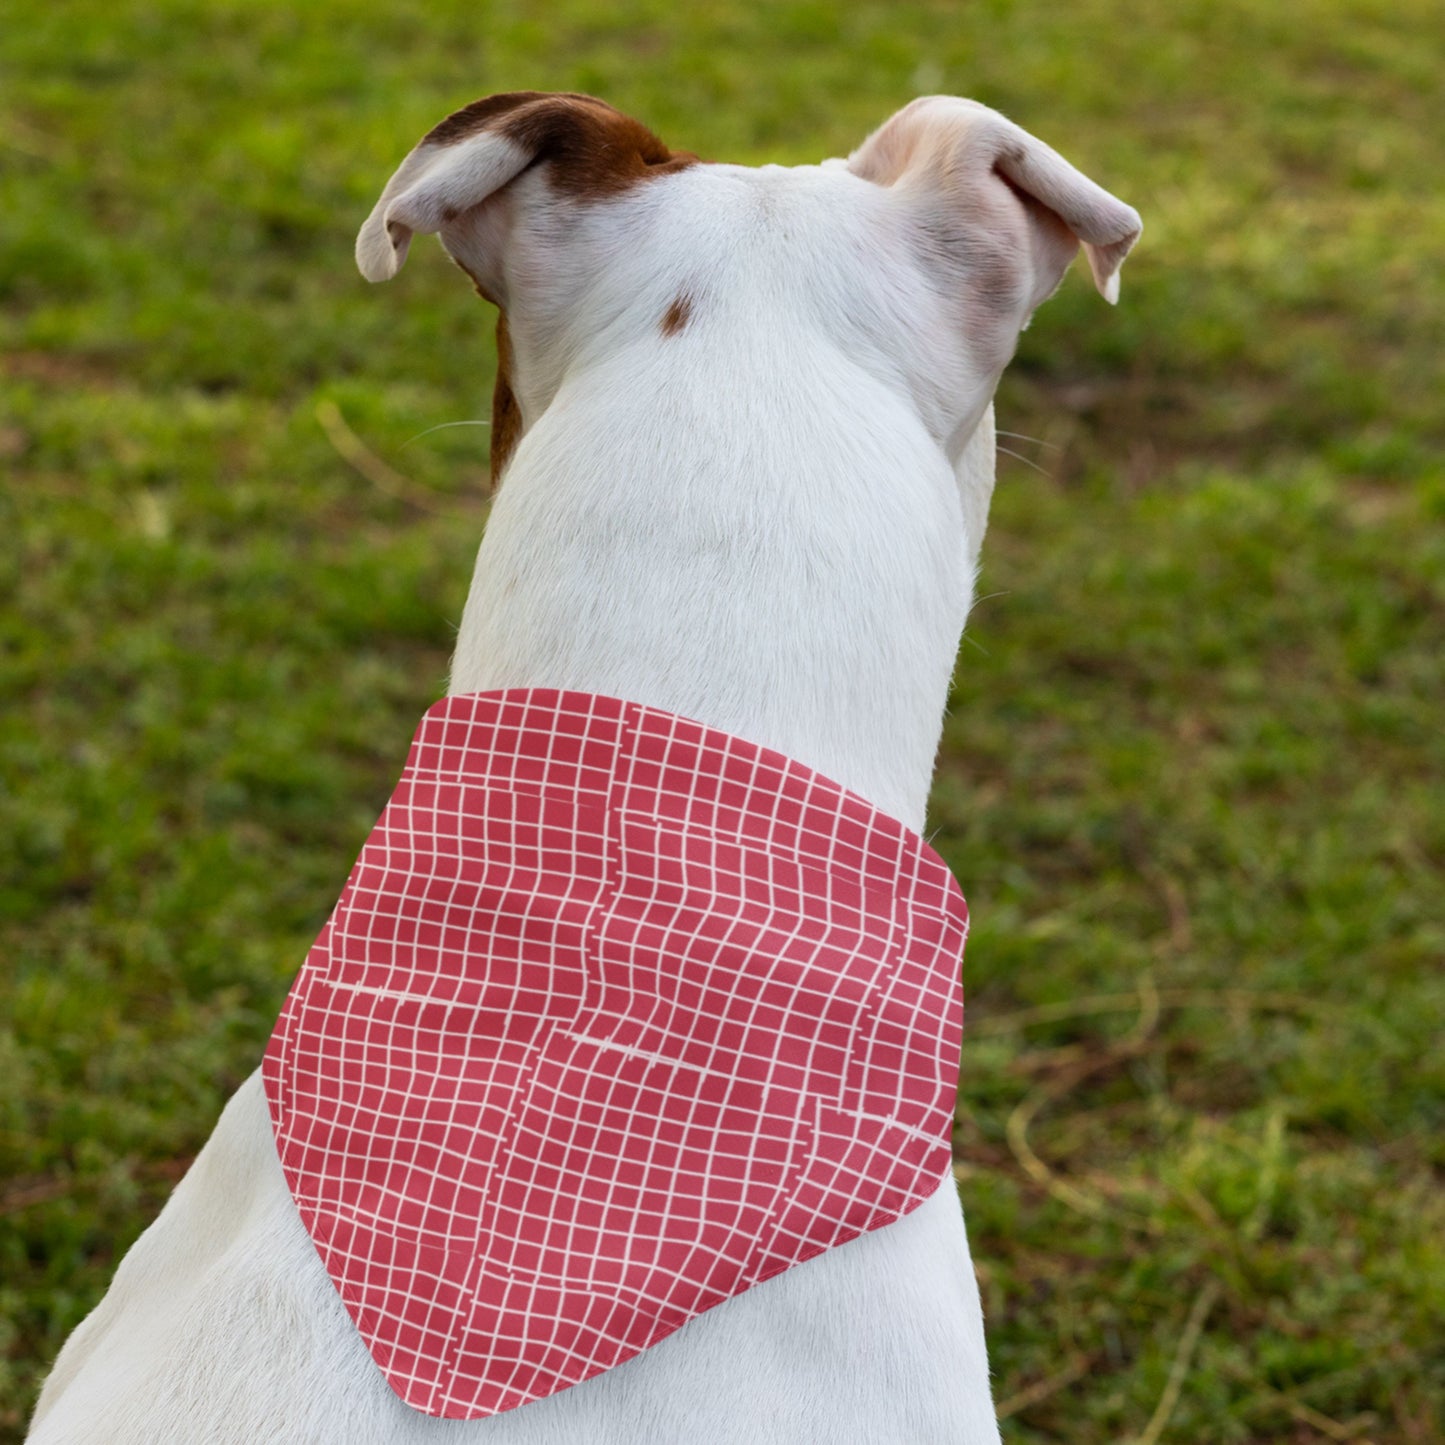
(920, 257)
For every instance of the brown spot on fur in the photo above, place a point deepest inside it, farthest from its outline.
(592, 150)
(506, 414)
(477, 285)
(677, 315)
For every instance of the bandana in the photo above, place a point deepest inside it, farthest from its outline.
(617, 1016)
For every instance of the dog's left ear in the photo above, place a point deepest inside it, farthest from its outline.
(588, 150)
(967, 170)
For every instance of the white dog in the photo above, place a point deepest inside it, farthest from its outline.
(744, 417)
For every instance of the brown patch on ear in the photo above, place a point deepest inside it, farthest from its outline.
(478, 115)
(506, 414)
(677, 315)
(593, 151)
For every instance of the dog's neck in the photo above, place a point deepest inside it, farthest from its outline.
(794, 569)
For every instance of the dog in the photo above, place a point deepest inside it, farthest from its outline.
(743, 428)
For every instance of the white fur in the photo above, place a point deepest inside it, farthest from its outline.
(769, 521)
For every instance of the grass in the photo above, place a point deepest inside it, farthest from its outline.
(1190, 778)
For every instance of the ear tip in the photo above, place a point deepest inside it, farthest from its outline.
(1106, 259)
(379, 254)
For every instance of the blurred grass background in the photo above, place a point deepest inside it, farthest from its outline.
(1191, 778)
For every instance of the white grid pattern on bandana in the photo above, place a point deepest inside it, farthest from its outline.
(617, 1016)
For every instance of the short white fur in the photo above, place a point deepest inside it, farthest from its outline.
(768, 520)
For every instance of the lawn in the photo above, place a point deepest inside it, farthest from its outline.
(1191, 775)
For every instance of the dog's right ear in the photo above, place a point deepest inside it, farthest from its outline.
(974, 180)
(591, 151)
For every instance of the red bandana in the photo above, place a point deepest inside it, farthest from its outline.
(617, 1016)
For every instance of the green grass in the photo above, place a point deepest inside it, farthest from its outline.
(1191, 774)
